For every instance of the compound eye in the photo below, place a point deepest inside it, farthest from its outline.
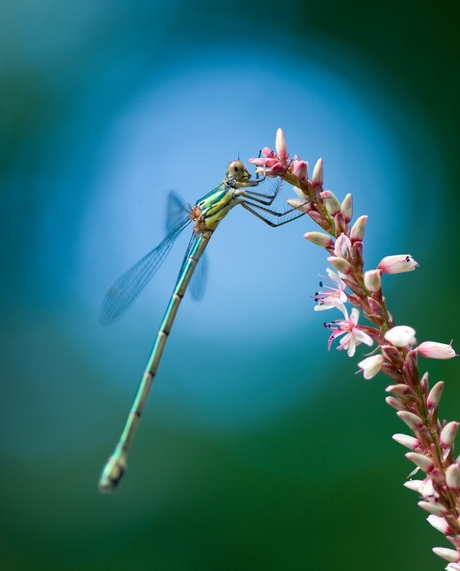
(237, 170)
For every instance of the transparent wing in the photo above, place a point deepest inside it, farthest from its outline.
(125, 290)
(198, 281)
(175, 211)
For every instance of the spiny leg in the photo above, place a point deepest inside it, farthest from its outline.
(250, 207)
(265, 199)
(261, 197)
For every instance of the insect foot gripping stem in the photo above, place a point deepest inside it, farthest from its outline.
(113, 472)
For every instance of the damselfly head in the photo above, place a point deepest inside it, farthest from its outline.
(238, 171)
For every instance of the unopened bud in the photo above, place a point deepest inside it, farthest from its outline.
(299, 204)
(299, 169)
(451, 555)
(440, 524)
(330, 200)
(357, 231)
(342, 246)
(397, 264)
(280, 145)
(347, 208)
(407, 441)
(448, 434)
(434, 350)
(423, 462)
(318, 173)
(400, 390)
(435, 395)
(414, 485)
(396, 403)
(373, 280)
(453, 476)
(435, 509)
(319, 239)
(424, 382)
(413, 421)
(340, 264)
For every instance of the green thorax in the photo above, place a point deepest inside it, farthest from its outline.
(214, 206)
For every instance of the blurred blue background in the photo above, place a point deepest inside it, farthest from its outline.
(258, 448)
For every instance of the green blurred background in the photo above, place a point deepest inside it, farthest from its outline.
(258, 448)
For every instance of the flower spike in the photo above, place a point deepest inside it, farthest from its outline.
(431, 447)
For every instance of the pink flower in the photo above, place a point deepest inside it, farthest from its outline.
(424, 488)
(276, 162)
(354, 335)
(434, 350)
(397, 264)
(325, 298)
(264, 165)
(371, 366)
(428, 491)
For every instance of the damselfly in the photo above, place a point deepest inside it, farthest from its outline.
(205, 216)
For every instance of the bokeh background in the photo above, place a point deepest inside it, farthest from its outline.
(258, 448)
